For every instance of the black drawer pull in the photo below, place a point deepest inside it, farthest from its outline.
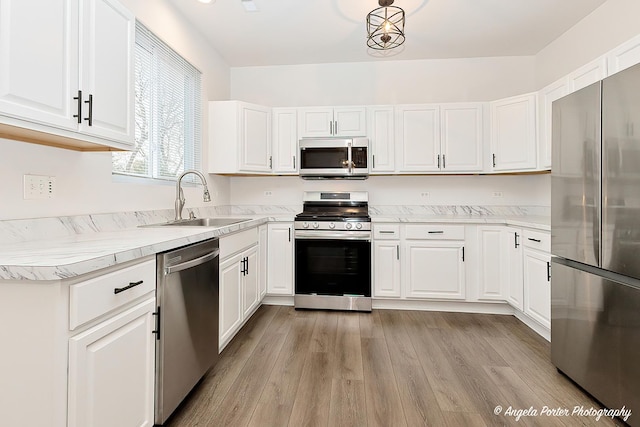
(535, 240)
(387, 232)
(436, 232)
(131, 285)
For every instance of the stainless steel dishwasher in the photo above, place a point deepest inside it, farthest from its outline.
(186, 323)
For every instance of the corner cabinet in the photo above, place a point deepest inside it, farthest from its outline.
(513, 133)
(239, 138)
(77, 89)
(546, 96)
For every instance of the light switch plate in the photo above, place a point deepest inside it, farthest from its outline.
(39, 187)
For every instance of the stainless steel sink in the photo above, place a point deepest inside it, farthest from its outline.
(201, 222)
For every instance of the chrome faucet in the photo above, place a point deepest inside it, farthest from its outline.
(180, 195)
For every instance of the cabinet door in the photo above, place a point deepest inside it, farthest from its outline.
(386, 273)
(546, 97)
(537, 286)
(230, 298)
(280, 265)
(255, 139)
(350, 121)
(434, 270)
(315, 122)
(624, 56)
(262, 269)
(513, 133)
(381, 139)
(107, 38)
(417, 138)
(39, 66)
(250, 291)
(587, 74)
(492, 263)
(285, 140)
(462, 136)
(111, 371)
(513, 267)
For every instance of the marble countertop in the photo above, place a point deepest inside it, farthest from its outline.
(67, 256)
(536, 222)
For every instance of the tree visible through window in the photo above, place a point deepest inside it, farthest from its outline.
(167, 113)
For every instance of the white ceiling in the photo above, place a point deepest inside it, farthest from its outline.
(286, 32)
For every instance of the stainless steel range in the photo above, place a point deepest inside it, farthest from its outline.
(333, 252)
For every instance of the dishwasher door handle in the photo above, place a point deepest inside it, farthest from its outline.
(192, 263)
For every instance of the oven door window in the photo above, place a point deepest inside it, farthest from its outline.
(333, 267)
(324, 158)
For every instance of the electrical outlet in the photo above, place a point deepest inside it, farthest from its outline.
(268, 193)
(425, 194)
(39, 187)
(497, 194)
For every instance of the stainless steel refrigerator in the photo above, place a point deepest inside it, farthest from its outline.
(595, 238)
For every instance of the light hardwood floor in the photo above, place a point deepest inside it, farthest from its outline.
(385, 368)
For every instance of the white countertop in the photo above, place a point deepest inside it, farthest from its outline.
(70, 256)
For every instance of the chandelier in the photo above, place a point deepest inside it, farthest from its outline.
(385, 26)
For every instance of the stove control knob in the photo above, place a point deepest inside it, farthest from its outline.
(348, 226)
(358, 226)
(305, 225)
(315, 225)
(332, 225)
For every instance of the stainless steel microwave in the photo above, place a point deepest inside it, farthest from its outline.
(345, 158)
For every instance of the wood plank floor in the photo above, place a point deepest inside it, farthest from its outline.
(385, 368)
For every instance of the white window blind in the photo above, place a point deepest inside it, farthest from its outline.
(167, 113)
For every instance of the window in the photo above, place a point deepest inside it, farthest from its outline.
(167, 113)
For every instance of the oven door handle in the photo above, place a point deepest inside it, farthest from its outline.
(321, 235)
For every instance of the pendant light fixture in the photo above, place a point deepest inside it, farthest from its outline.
(385, 26)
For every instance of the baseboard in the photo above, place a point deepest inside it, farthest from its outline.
(278, 300)
(543, 331)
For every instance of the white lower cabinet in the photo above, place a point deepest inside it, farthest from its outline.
(239, 282)
(280, 263)
(434, 269)
(492, 283)
(386, 273)
(111, 371)
(537, 286)
(513, 267)
(263, 239)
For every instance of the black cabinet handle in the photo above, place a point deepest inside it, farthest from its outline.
(373, 158)
(438, 161)
(548, 271)
(436, 232)
(79, 99)
(398, 251)
(131, 285)
(494, 160)
(535, 240)
(387, 232)
(463, 254)
(294, 162)
(246, 265)
(157, 331)
(90, 117)
(289, 233)
(516, 242)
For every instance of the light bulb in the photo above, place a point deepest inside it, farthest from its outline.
(387, 26)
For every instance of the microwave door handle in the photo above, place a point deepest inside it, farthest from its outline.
(349, 157)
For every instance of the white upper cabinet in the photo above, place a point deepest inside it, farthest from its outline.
(89, 48)
(546, 96)
(587, 74)
(461, 127)
(381, 139)
(513, 133)
(240, 137)
(624, 56)
(107, 36)
(39, 80)
(417, 138)
(328, 121)
(285, 141)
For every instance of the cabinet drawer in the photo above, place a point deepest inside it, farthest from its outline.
(95, 297)
(536, 240)
(237, 242)
(434, 232)
(386, 231)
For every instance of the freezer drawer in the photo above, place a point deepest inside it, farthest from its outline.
(595, 333)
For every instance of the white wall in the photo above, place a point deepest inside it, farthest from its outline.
(613, 23)
(402, 190)
(384, 82)
(84, 180)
